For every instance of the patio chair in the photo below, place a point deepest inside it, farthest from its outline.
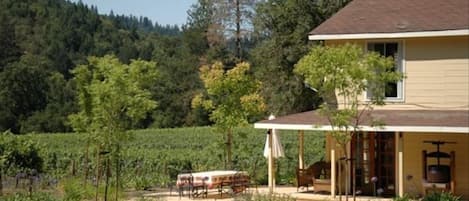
(322, 179)
(304, 178)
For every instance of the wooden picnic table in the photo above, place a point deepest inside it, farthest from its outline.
(198, 183)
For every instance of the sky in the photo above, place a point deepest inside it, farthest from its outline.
(161, 11)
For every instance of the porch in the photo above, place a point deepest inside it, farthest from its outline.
(391, 154)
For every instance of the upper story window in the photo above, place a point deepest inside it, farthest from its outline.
(393, 90)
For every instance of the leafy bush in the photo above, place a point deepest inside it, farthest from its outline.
(141, 183)
(443, 196)
(19, 154)
(404, 198)
(75, 191)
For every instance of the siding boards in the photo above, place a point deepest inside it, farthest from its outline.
(437, 71)
(413, 146)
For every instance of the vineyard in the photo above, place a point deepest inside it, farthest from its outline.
(153, 157)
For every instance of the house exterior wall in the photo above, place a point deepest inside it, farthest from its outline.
(436, 69)
(413, 162)
(437, 77)
(412, 147)
(437, 72)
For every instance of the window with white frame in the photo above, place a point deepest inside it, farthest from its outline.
(393, 90)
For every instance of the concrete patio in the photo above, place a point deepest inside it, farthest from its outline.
(288, 191)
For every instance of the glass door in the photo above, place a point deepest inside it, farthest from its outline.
(373, 164)
(385, 163)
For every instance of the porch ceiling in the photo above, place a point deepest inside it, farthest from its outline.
(453, 121)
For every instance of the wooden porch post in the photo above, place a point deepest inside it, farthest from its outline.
(400, 164)
(271, 165)
(271, 160)
(301, 163)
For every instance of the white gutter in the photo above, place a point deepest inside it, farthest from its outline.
(459, 32)
(430, 129)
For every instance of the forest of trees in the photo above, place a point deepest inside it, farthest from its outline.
(41, 41)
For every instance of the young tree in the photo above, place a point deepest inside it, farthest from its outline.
(341, 75)
(112, 97)
(232, 99)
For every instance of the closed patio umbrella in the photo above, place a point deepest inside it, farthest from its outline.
(277, 148)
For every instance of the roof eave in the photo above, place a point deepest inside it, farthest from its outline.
(458, 32)
(418, 129)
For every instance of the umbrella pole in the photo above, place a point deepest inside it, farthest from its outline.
(301, 163)
(271, 165)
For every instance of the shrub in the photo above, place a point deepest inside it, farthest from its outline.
(39, 196)
(75, 191)
(404, 198)
(141, 183)
(443, 196)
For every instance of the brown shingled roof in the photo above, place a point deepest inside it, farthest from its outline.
(418, 118)
(396, 16)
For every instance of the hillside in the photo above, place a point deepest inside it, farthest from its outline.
(43, 40)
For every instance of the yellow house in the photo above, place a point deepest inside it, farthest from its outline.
(424, 144)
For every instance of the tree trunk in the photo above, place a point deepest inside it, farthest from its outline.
(1, 183)
(108, 173)
(73, 168)
(97, 173)
(347, 172)
(238, 30)
(30, 187)
(85, 181)
(229, 142)
(117, 171)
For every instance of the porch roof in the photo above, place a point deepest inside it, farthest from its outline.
(451, 121)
